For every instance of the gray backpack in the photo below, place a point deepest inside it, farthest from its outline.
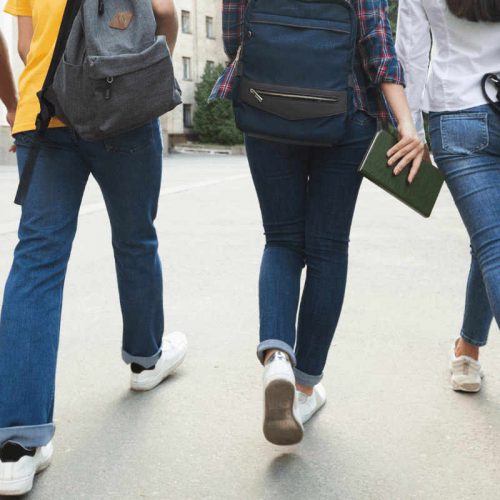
(115, 73)
(109, 74)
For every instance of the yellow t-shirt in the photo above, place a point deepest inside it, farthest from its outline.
(46, 17)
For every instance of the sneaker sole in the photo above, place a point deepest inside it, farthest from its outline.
(280, 425)
(472, 387)
(151, 384)
(23, 485)
(17, 487)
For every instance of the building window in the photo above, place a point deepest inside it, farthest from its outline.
(209, 21)
(210, 65)
(188, 115)
(186, 21)
(186, 68)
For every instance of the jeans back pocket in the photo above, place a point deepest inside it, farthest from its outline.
(464, 133)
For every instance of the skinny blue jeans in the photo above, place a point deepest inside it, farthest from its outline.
(307, 197)
(466, 145)
(128, 169)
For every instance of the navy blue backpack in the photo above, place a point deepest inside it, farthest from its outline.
(295, 70)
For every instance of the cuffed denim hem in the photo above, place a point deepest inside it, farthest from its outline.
(145, 362)
(28, 436)
(275, 344)
(477, 343)
(305, 379)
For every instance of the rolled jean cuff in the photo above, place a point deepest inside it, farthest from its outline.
(470, 340)
(28, 436)
(144, 361)
(278, 345)
(305, 379)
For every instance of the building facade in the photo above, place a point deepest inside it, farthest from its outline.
(199, 44)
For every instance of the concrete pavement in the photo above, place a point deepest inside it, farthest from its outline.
(392, 428)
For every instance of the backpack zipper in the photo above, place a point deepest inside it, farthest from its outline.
(109, 82)
(292, 25)
(259, 93)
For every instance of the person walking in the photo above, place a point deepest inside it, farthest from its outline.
(307, 196)
(465, 138)
(8, 94)
(128, 169)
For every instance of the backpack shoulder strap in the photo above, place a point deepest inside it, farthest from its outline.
(47, 110)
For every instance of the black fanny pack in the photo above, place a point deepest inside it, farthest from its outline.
(495, 80)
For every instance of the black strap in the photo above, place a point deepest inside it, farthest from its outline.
(47, 110)
(495, 79)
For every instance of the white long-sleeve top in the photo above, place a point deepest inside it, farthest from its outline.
(448, 78)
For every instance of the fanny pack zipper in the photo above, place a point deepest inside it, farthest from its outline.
(259, 93)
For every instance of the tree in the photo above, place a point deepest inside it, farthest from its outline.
(393, 11)
(213, 122)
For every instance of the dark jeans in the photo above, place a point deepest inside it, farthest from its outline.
(128, 169)
(466, 145)
(307, 196)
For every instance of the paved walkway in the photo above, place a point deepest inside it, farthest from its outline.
(392, 428)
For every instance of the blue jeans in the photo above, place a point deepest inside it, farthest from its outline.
(307, 197)
(128, 169)
(466, 145)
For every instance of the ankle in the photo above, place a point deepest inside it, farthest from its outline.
(463, 348)
(305, 389)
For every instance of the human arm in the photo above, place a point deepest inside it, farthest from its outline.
(410, 148)
(167, 21)
(381, 65)
(8, 93)
(413, 45)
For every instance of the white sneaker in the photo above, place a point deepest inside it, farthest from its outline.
(173, 354)
(16, 478)
(281, 415)
(466, 373)
(310, 405)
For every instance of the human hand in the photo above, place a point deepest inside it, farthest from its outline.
(409, 150)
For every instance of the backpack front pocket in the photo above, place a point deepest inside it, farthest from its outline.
(122, 92)
(293, 103)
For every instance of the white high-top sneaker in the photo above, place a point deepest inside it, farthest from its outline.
(466, 373)
(173, 354)
(310, 405)
(282, 423)
(16, 478)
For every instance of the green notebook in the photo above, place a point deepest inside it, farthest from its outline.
(421, 195)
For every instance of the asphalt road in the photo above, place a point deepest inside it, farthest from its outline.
(392, 427)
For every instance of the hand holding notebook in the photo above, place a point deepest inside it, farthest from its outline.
(420, 195)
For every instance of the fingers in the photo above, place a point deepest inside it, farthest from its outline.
(417, 162)
(406, 155)
(401, 144)
(403, 147)
(13, 149)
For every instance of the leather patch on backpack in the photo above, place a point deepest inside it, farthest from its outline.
(121, 21)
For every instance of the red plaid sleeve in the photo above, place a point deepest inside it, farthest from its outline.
(375, 42)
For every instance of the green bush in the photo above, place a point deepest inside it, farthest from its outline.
(393, 10)
(214, 122)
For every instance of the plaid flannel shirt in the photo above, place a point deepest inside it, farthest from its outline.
(376, 60)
